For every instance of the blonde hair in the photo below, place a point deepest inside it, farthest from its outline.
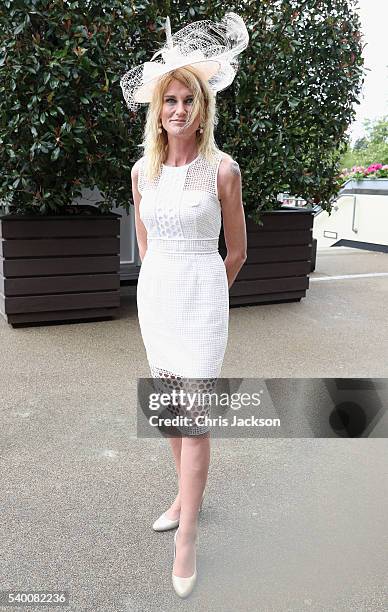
(156, 144)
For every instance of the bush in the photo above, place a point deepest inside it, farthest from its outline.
(64, 123)
(286, 115)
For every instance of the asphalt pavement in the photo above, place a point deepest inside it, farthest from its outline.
(294, 523)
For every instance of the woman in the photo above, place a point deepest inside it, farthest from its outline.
(181, 187)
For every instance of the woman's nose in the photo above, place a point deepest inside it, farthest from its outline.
(180, 108)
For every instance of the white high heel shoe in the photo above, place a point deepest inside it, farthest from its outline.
(163, 523)
(184, 586)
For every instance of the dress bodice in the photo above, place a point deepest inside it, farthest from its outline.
(182, 201)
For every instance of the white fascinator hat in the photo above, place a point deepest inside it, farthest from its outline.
(211, 48)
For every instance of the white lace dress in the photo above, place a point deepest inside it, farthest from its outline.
(182, 291)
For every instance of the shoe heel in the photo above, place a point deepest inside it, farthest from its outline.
(201, 504)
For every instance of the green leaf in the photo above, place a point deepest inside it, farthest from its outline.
(293, 102)
(19, 29)
(55, 153)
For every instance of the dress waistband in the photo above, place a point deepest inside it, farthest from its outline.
(183, 245)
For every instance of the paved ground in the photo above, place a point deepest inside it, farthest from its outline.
(288, 524)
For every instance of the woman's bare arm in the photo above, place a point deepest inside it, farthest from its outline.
(141, 232)
(233, 217)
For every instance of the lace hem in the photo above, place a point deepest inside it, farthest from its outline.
(198, 405)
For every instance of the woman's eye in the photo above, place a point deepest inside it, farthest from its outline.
(172, 100)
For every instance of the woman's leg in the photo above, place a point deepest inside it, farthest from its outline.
(195, 459)
(176, 446)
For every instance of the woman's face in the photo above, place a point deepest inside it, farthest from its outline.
(177, 103)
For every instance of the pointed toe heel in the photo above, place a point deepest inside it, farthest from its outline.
(183, 586)
(163, 523)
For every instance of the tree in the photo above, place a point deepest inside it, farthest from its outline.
(360, 144)
(371, 148)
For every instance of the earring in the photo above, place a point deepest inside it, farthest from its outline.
(200, 129)
(160, 128)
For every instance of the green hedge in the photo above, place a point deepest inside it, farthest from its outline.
(64, 123)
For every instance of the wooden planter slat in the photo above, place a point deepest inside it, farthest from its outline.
(277, 254)
(281, 220)
(274, 270)
(44, 247)
(89, 314)
(270, 285)
(59, 284)
(59, 265)
(71, 301)
(252, 300)
(60, 227)
(63, 267)
(298, 237)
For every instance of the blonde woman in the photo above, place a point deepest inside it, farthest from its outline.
(182, 187)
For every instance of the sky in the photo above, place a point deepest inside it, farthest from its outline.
(374, 95)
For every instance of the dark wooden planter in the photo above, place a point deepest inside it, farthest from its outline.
(59, 268)
(279, 258)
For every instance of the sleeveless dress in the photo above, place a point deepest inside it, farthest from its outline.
(182, 291)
